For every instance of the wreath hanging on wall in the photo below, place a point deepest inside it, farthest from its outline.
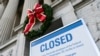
(42, 13)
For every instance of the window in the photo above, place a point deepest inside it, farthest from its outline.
(82, 4)
(75, 2)
(55, 2)
(55, 25)
(18, 17)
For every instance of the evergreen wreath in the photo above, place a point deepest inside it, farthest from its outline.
(48, 11)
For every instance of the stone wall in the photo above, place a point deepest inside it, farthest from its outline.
(91, 14)
(67, 11)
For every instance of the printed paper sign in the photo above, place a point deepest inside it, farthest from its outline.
(71, 40)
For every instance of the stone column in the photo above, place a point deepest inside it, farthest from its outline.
(1, 9)
(22, 49)
(65, 11)
(49, 2)
(7, 20)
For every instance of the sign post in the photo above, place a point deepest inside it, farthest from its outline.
(71, 40)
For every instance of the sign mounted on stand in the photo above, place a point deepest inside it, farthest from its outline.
(71, 40)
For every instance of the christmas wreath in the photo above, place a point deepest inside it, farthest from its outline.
(42, 13)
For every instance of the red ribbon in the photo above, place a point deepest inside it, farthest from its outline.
(37, 13)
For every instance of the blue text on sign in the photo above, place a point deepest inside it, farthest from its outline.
(56, 42)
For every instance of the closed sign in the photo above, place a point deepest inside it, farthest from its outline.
(71, 40)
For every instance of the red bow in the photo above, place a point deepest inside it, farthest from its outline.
(32, 15)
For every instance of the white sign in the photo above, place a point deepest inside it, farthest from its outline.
(71, 40)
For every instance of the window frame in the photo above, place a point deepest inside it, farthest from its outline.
(56, 2)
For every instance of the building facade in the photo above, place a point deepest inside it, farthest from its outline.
(13, 14)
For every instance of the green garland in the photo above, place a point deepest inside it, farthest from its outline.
(48, 11)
